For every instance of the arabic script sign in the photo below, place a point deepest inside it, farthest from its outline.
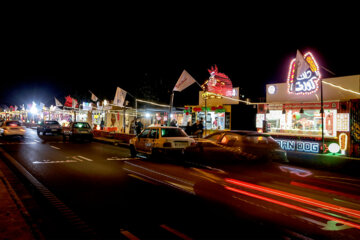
(307, 82)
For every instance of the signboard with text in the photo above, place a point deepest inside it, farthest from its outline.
(306, 82)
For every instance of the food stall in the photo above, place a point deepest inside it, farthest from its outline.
(295, 121)
(214, 103)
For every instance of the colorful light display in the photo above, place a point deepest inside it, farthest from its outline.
(218, 83)
(308, 81)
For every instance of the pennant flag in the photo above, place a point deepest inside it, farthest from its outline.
(93, 97)
(300, 64)
(119, 97)
(41, 106)
(74, 103)
(184, 81)
(58, 103)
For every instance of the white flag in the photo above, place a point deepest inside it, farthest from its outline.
(300, 64)
(74, 102)
(58, 103)
(93, 97)
(119, 97)
(184, 81)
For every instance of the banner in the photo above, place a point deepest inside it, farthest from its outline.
(184, 81)
(119, 97)
(93, 97)
(300, 64)
(58, 103)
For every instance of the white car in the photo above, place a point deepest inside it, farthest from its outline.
(160, 139)
(12, 128)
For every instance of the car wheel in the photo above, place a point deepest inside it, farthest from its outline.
(132, 151)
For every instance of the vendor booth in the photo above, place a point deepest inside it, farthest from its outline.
(295, 120)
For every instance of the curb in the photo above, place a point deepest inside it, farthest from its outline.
(25, 226)
(112, 142)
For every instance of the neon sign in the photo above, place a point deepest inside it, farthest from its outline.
(307, 82)
(300, 146)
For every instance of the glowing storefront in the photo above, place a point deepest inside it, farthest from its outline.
(214, 103)
(292, 112)
(295, 121)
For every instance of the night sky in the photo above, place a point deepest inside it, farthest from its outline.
(57, 66)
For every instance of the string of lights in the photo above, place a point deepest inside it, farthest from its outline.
(341, 88)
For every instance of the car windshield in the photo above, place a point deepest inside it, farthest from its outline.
(51, 122)
(172, 132)
(81, 125)
(13, 123)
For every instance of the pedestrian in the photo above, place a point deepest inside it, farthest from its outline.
(200, 127)
(102, 124)
(188, 129)
(173, 123)
(138, 127)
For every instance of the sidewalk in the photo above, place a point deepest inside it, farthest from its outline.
(13, 214)
(343, 164)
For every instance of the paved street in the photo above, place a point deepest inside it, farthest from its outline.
(102, 191)
(89, 179)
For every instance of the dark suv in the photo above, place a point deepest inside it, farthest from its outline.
(52, 127)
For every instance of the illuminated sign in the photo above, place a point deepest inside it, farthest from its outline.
(334, 148)
(218, 83)
(271, 89)
(343, 140)
(300, 146)
(306, 82)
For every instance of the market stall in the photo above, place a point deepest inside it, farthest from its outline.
(295, 121)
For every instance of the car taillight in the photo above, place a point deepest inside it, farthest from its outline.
(167, 144)
(193, 144)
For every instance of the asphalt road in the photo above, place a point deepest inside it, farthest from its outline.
(90, 180)
(115, 198)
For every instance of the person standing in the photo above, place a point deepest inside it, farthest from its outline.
(138, 127)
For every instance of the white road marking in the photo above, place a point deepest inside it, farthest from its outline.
(54, 147)
(13, 143)
(78, 159)
(48, 161)
(121, 159)
(87, 159)
(36, 140)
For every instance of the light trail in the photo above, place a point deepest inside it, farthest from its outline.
(298, 198)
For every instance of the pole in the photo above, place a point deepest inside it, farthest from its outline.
(205, 116)
(124, 120)
(322, 115)
(170, 108)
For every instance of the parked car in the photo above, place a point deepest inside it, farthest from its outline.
(160, 139)
(52, 127)
(226, 147)
(12, 128)
(79, 130)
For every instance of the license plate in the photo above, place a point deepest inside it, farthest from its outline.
(54, 130)
(84, 131)
(181, 145)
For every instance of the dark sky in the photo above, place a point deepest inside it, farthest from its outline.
(38, 66)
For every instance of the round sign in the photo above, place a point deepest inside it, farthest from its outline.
(271, 89)
(334, 148)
